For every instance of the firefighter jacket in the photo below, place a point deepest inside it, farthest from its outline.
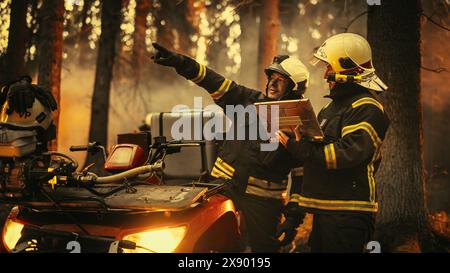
(241, 162)
(339, 172)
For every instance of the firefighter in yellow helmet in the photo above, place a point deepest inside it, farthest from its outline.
(255, 179)
(338, 184)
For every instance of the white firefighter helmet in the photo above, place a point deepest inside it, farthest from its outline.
(350, 53)
(36, 117)
(291, 68)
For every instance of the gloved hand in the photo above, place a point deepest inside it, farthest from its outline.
(45, 97)
(294, 217)
(166, 57)
(20, 95)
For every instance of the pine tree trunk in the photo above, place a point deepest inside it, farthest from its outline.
(17, 41)
(139, 46)
(269, 32)
(50, 46)
(248, 42)
(394, 34)
(86, 29)
(111, 17)
(31, 65)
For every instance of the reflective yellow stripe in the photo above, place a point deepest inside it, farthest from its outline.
(333, 156)
(366, 127)
(222, 89)
(219, 174)
(347, 207)
(368, 101)
(225, 165)
(221, 168)
(377, 144)
(377, 153)
(326, 106)
(327, 156)
(371, 182)
(343, 202)
(338, 204)
(201, 74)
(294, 198)
(330, 156)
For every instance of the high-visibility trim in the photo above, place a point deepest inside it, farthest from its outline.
(330, 156)
(294, 198)
(266, 185)
(297, 171)
(224, 87)
(219, 174)
(201, 74)
(371, 180)
(264, 188)
(377, 153)
(221, 168)
(326, 106)
(366, 127)
(349, 205)
(224, 165)
(368, 101)
(264, 193)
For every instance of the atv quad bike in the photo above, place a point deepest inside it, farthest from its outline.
(153, 201)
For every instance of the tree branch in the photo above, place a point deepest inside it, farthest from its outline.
(353, 20)
(435, 70)
(434, 22)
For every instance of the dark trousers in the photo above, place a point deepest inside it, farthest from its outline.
(261, 217)
(339, 233)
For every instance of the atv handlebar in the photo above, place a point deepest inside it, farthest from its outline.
(78, 148)
(93, 178)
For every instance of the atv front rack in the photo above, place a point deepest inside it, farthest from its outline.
(132, 198)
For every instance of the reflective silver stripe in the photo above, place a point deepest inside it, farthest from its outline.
(266, 185)
(297, 171)
(264, 193)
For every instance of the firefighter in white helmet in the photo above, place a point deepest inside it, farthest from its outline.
(28, 107)
(338, 184)
(256, 179)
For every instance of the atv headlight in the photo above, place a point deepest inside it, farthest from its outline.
(157, 240)
(12, 232)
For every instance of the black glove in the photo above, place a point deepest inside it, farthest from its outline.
(20, 95)
(294, 217)
(45, 97)
(166, 57)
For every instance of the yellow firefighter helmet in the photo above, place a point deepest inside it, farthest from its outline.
(349, 53)
(291, 68)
